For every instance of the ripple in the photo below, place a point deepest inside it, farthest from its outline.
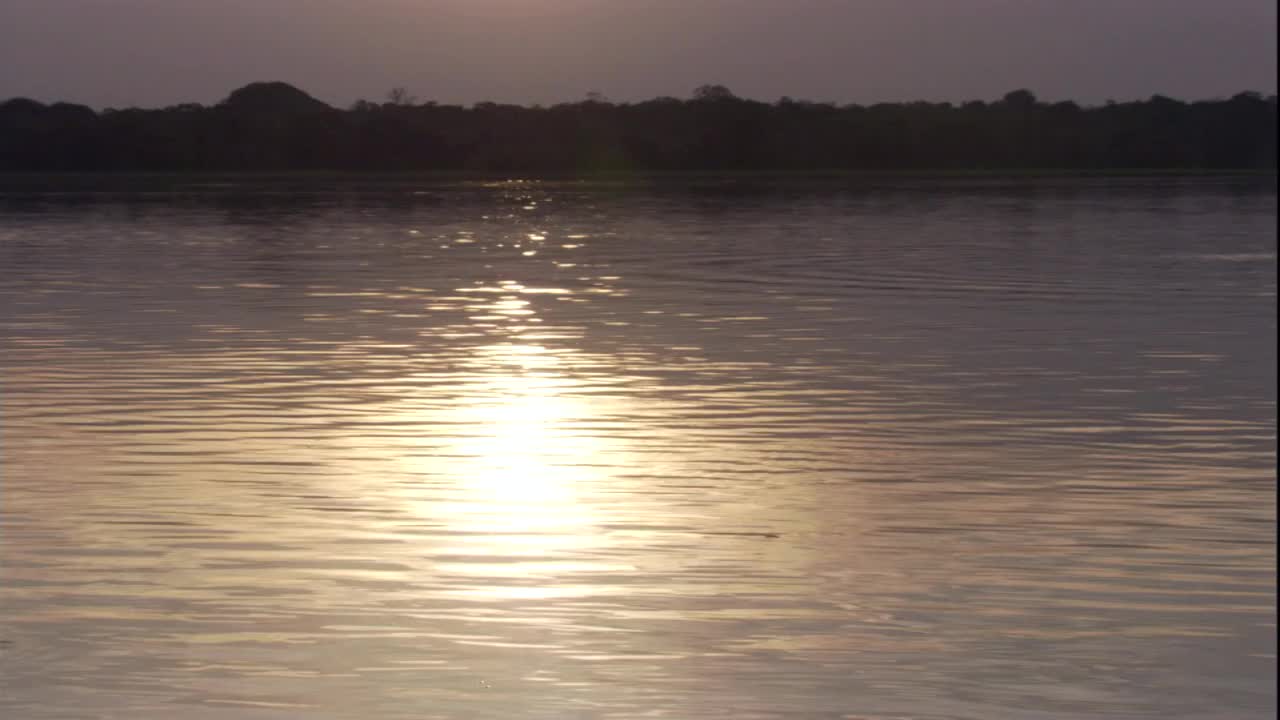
(908, 450)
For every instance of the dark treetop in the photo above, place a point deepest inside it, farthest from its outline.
(274, 126)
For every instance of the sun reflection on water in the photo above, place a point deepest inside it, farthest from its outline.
(520, 517)
(526, 448)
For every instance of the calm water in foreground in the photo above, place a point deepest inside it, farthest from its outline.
(972, 449)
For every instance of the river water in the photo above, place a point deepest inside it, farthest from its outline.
(869, 449)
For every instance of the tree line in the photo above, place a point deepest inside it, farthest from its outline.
(276, 127)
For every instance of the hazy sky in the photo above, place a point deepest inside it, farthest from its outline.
(158, 52)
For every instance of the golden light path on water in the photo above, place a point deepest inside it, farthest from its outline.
(536, 474)
(527, 458)
(525, 476)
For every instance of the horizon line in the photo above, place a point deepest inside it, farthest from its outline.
(602, 98)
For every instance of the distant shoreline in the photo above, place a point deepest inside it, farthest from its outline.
(274, 128)
(19, 181)
(646, 174)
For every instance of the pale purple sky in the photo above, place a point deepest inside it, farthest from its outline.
(158, 52)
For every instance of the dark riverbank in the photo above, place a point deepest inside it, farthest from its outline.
(177, 181)
(273, 127)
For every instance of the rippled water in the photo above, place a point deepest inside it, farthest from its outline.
(876, 450)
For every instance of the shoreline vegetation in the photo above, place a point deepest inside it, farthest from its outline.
(276, 130)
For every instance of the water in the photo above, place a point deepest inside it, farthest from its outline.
(405, 449)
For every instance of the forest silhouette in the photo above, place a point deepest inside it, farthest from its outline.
(274, 126)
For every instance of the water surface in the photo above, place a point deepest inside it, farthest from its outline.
(929, 449)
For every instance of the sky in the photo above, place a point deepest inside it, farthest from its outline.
(148, 53)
